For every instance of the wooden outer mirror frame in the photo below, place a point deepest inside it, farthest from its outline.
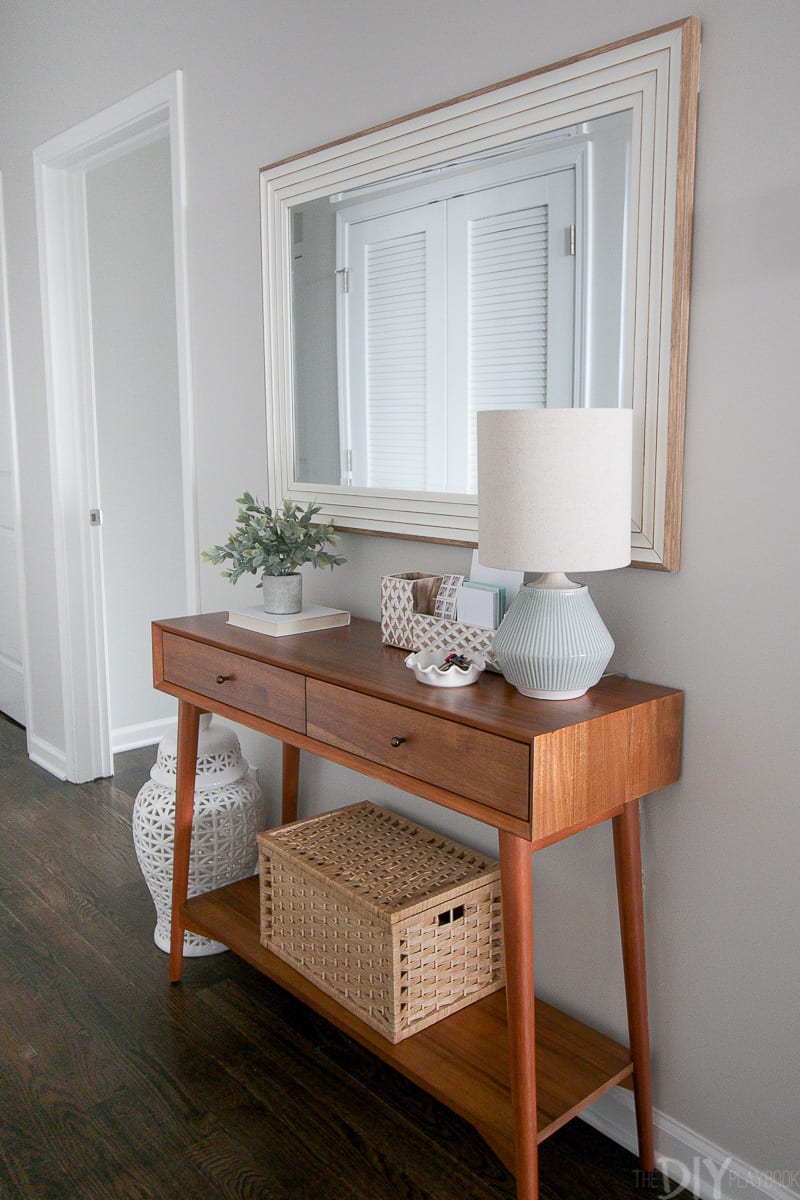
(655, 77)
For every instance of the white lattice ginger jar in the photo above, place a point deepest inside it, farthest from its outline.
(229, 811)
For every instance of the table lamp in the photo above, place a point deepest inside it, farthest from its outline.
(554, 495)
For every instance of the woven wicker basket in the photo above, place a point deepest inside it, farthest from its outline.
(400, 925)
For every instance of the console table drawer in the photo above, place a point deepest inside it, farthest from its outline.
(244, 683)
(433, 749)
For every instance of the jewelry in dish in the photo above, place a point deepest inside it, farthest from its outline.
(440, 668)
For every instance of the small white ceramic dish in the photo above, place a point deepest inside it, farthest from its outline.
(427, 668)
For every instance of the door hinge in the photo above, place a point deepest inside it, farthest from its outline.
(345, 274)
(571, 240)
(349, 466)
(95, 516)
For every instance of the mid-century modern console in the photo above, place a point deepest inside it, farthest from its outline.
(536, 770)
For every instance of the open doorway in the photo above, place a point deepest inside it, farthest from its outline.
(111, 212)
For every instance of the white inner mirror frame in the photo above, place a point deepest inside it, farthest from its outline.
(653, 80)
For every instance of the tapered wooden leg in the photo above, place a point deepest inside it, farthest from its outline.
(188, 724)
(517, 889)
(291, 779)
(628, 855)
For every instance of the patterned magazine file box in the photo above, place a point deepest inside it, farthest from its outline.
(407, 620)
(400, 925)
(401, 597)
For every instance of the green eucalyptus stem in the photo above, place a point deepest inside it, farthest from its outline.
(275, 542)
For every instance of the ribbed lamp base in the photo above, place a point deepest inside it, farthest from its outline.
(553, 644)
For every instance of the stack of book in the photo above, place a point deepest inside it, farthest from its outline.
(481, 604)
(313, 616)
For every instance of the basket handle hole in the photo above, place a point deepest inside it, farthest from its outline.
(451, 914)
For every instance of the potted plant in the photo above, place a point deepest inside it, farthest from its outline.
(274, 543)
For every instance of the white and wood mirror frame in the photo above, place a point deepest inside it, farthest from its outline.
(654, 78)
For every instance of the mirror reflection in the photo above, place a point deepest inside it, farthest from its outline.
(495, 281)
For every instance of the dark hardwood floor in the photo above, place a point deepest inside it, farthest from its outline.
(115, 1085)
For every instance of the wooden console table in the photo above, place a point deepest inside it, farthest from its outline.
(536, 770)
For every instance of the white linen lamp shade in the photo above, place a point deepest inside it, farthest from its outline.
(554, 495)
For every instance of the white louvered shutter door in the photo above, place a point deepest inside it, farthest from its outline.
(395, 347)
(510, 236)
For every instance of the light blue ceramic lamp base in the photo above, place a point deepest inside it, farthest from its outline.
(553, 644)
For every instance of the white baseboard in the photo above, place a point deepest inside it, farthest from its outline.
(47, 756)
(689, 1160)
(131, 737)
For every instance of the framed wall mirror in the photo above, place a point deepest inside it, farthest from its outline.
(524, 245)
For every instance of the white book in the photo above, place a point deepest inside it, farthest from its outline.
(478, 604)
(512, 581)
(313, 616)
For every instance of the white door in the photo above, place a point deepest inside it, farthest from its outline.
(137, 422)
(395, 358)
(12, 694)
(12, 691)
(512, 312)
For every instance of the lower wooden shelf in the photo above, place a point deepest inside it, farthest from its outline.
(462, 1060)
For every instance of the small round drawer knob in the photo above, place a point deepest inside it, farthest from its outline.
(223, 678)
(398, 741)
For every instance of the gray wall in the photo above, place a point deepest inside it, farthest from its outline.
(266, 80)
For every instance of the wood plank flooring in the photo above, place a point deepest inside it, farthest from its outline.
(116, 1086)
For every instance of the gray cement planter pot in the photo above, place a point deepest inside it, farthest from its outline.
(283, 593)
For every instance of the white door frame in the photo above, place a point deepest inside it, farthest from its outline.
(60, 167)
